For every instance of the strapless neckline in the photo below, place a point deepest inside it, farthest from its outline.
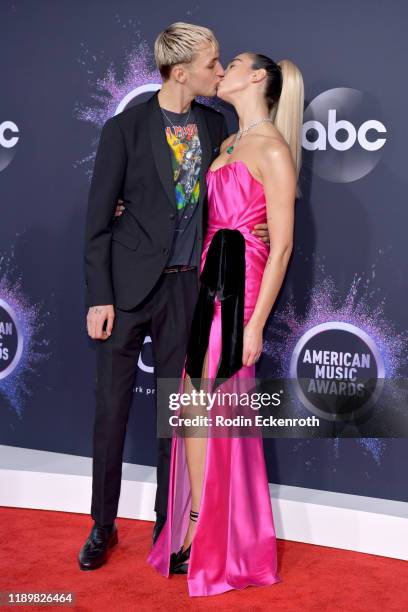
(237, 161)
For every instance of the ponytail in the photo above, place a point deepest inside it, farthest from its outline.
(284, 95)
(287, 112)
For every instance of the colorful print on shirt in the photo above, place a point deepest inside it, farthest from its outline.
(186, 160)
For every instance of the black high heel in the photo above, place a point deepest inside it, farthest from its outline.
(179, 560)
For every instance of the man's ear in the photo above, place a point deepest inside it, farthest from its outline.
(179, 73)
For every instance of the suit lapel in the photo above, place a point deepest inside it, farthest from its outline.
(162, 154)
(206, 150)
(161, 150)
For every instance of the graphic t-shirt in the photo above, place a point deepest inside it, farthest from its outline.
(185, 151)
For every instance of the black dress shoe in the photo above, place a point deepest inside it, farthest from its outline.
(94, 552)
(158, 526)
(179, 561)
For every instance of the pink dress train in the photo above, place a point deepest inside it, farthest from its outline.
(234, 544)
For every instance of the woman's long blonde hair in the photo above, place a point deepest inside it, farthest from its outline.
(285, 97)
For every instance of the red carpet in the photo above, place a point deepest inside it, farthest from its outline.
(39, 553)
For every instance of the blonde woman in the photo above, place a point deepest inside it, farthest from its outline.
(220, 529)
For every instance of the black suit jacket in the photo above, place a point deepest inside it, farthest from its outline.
(125, 257)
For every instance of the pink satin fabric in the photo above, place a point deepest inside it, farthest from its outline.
(234, 544)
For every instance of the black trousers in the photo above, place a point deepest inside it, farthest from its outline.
(166, 313)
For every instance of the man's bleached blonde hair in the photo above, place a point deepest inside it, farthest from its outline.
(179, 43)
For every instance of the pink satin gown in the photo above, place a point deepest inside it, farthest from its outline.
(234, 543)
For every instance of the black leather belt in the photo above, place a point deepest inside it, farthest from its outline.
(178, 269)
(223, 275)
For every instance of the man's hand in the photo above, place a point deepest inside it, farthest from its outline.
(95, 320)
(261, 230)
(119, 208)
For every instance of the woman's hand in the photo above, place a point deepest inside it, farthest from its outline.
(119, 208)
(253, 343)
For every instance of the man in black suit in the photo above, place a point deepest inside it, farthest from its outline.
(142, 270)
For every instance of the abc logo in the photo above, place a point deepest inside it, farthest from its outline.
(334, 126)
(341, 142)
(9, 136)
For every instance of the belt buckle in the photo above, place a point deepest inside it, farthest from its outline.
(170, 270)
(181, 268)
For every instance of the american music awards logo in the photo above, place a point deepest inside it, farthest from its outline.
(338, 369)
(23, 337)
(340, 354)
(343, 138)
(11, 339)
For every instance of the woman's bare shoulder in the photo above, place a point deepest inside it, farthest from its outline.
(272, 148)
